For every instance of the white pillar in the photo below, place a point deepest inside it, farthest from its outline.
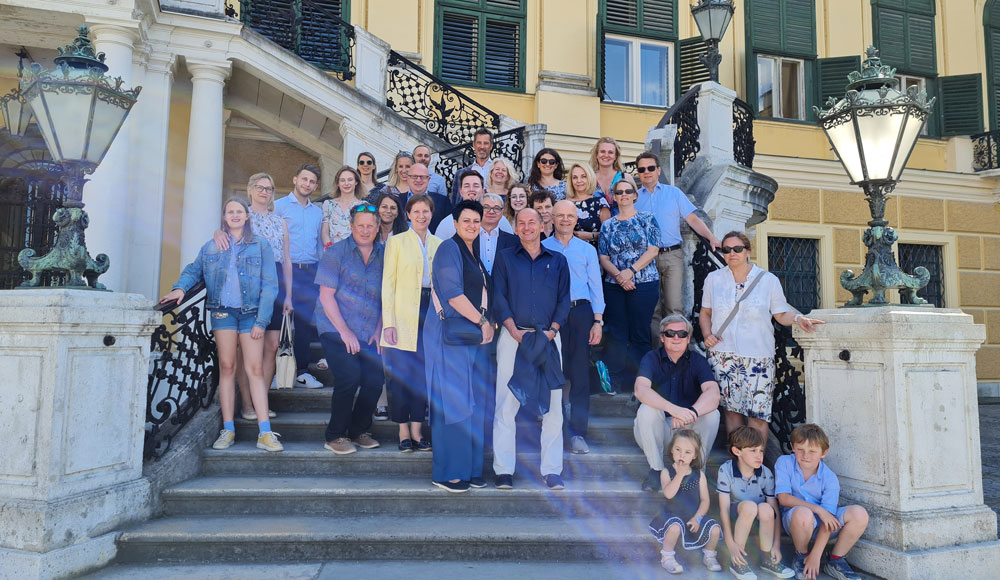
(202, 212)
(715, 120)
(328, 168)
(106, 195)
(372, 58)
(148, 165)
(534, 141)
(895, 390)
(355, 141)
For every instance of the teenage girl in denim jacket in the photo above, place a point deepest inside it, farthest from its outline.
(241, 283)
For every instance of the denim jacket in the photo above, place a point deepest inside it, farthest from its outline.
(258, 277)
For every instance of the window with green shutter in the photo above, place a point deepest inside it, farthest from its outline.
(960, 102)
(904, 34)
(992, 22)
(781, 56)
(636, 53)
(481, 43)
(646, 18)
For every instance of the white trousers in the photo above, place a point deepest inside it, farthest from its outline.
(652, 432)
(504, 428)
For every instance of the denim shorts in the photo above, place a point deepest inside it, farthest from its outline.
(232, 319)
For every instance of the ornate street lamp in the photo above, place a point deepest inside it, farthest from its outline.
(16, 113)
(873, 130)
(712, 18)
(79, 113)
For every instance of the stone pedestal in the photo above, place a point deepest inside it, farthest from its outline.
(895, 389)
(72, 404)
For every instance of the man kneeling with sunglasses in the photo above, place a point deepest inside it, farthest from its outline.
(678, 391)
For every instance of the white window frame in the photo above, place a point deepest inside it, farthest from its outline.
(776, 87)
(635, 90)
(921, 84)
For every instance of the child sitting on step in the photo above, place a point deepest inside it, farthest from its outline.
(684, 516)
(746, 494)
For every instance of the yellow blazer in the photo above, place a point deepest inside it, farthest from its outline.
(401, 283)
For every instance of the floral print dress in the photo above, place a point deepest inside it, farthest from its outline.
(338, 221)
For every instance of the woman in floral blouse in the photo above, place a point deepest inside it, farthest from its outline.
(627, 247)
(337, 210)
(591, 211)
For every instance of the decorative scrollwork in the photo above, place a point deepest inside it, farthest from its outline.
(184, 371)
(507, 144)
(743, 141)
(986, 151)
(684, 114)
(442, 109)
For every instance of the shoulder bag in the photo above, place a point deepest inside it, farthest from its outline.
(732, 313)
(460, 331)
(284, 368)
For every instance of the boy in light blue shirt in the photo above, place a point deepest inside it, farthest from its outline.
(808, 492)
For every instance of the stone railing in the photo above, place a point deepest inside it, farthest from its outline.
(183, 371)
(425, 99)
(986, 151)
(310, 30)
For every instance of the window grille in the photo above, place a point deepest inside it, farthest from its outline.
(795, 261)
(928, 256)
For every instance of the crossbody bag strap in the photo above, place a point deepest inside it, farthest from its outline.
(440, 310)
(732, 313)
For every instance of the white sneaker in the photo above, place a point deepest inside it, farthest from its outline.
(307, 381)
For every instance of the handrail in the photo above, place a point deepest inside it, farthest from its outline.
(415, 93)
(743, 141)
(183, 370)
(684, 114)
(508, 144)
(986, 150)
(314, 33)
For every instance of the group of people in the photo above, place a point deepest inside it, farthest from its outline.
(467, 304)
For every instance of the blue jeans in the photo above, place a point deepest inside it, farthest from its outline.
(233, 319)
(627, 315)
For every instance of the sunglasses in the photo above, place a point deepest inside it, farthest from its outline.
(369, 162)
(650, 169)
(675, 333)
(365, 207)
(624, 191)
(547, 162)
(738, 249)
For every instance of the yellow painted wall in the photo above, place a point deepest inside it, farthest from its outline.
(173, 203)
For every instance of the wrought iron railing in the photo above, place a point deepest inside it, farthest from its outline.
(684, 114)
(508, 144)
(743, 141)
(788, 405)
(312, 29)
(986, 151)
(183, 371)
(418, 95)
(28, 198)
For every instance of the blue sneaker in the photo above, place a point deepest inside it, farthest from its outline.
(602, 372)
(799, 566)
(840, 570)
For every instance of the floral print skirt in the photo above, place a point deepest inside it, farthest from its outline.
(747, 383)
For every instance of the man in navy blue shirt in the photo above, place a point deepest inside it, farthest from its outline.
(531, 295)
(677, 390)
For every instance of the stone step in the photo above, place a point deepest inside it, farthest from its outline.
(299, 538)
(318, 400)
(310, 458)
(339, 496)
(311, 426)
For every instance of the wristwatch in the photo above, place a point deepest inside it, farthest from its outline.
(483, 321)
(598, 321)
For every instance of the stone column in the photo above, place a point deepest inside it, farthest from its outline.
(328, 169)
(534, 141)
(73, 401)
(895, 389)
(148, 166)
(106, 195)
(715, 119)
(355, 141)
(372, 57)
(660, 140)
(202, 212)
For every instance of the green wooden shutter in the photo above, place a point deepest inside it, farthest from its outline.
(799, 28)
(765, 26)
(657, 18)
(921, 54)
(993, 64)
(960, 101)
(459, 47)
(649, 18)
(831, 74)
(890, 36)
(512, 5)
(906, 40)
(622, 14)
(690, 70)
(600, 56)
(501, 63)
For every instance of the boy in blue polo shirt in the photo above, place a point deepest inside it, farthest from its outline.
(746, 493)
(809, 492)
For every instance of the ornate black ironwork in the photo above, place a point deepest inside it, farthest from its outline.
(184, 371)
(629, 167)
(416, 94)
(507, 144)
(912, 256)
(704, 261)
(743, 141)
(795, 262)
(230, 10)
(684, 114)
(312, 29)
(986, 151)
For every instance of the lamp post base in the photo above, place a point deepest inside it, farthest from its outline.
(69, 256)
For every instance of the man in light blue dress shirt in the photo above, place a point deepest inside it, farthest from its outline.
(669, 205)
(482, 145)
(586, 317)
(305, 246)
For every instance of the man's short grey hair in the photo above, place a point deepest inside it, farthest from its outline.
(675, 317)
(493, 197)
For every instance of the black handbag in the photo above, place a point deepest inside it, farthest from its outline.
(460, 331)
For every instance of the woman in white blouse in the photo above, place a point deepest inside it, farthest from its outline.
(337, 210)
(742, 355)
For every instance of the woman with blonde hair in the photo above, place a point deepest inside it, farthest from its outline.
(515, 200)
(503, 173)
(347, 193)
(591, 211)
(399, 173)
(605, 160)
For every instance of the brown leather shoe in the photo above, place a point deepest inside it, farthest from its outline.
(341, 446)
(366, 441)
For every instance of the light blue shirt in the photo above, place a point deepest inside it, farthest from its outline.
(437, 184)
(822, 489)
(669, 205)
(488, 247)
(584, 270)
(304, 223)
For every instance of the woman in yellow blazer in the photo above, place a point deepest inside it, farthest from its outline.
(407, 273)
